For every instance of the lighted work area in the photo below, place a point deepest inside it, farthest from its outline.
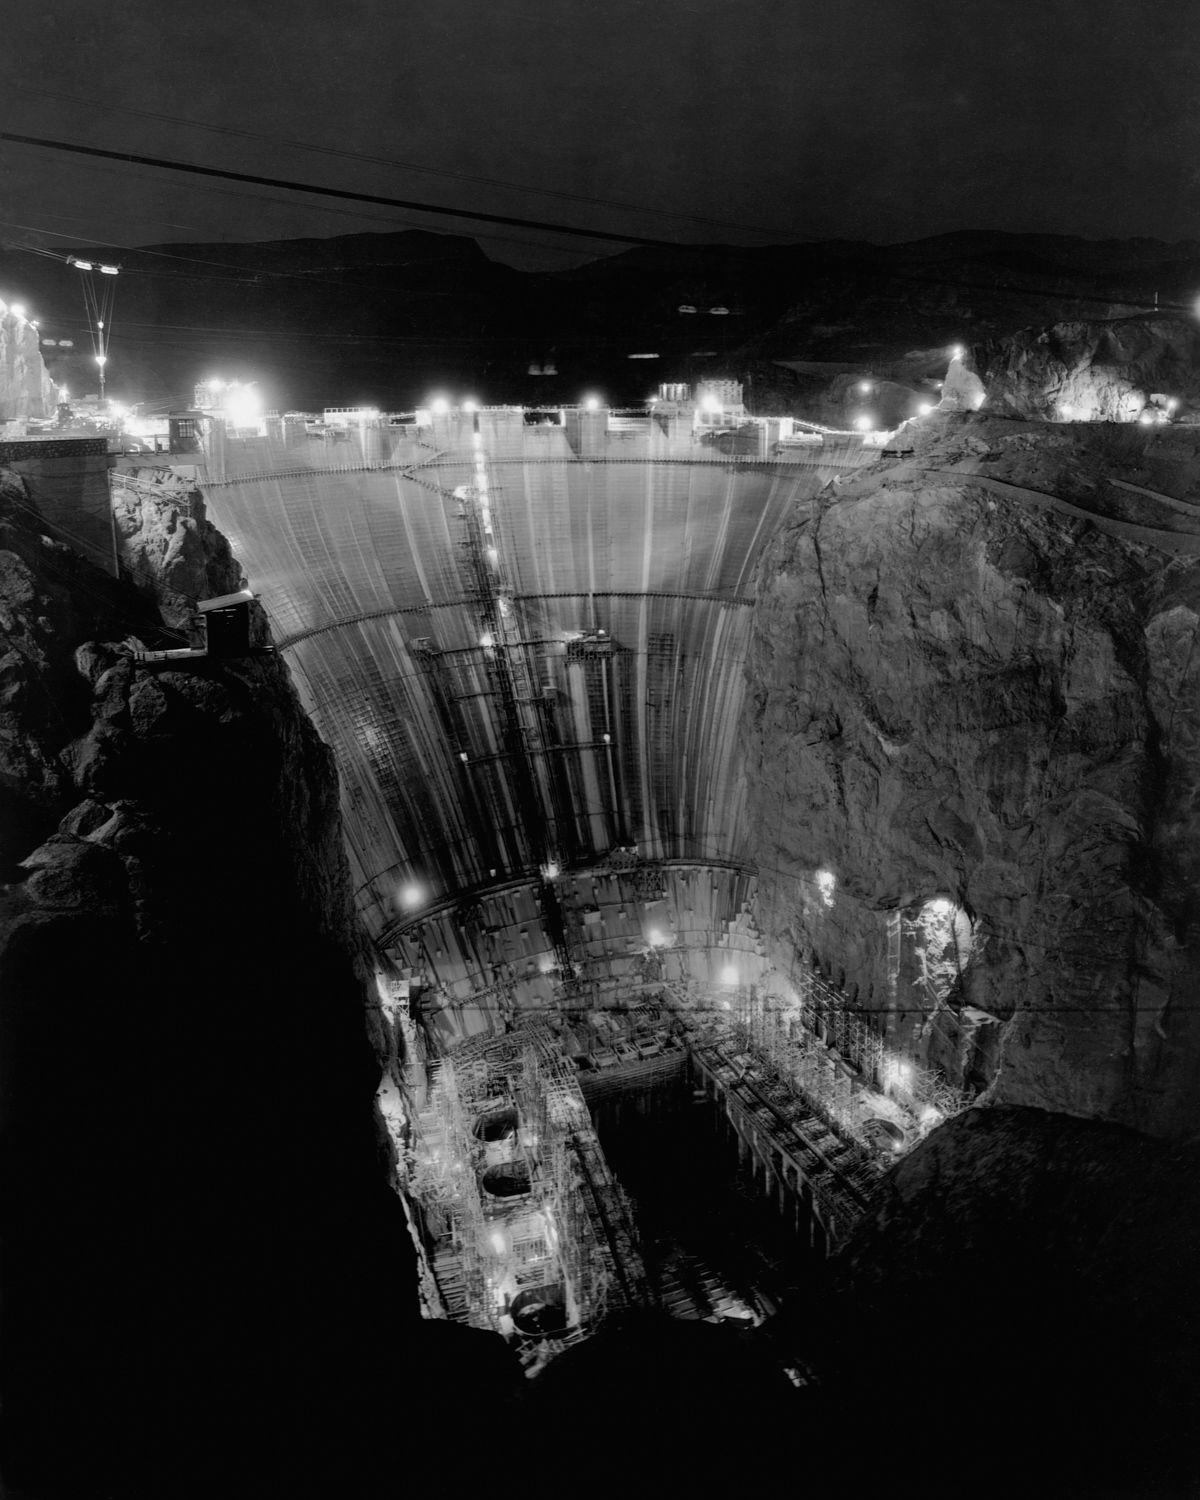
(545, 818)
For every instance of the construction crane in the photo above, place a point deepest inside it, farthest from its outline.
(99, 294)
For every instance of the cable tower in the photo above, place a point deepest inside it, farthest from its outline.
(99, 294)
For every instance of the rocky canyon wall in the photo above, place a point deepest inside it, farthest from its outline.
(966, 703)
(1094, 371)
(205, 1271)
(26, 389)
(1028, 1284)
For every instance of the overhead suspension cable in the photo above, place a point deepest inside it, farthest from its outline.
(347, 194)
(386, 161)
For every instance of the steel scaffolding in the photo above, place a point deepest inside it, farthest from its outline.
(590, 1243)
(598, 1246)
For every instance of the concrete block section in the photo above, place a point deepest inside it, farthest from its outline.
(67, 481)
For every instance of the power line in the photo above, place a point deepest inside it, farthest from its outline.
(346, 194)
(359, 214)
(385, 161)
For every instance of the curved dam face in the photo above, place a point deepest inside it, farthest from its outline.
(524, 643)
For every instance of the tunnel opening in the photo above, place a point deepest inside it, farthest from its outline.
(497, 1128)
(540, 1312)
(508, 1180)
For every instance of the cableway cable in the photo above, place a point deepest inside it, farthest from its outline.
(346, 194)
(385, 161)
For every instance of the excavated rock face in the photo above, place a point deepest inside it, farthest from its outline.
(959, 694)
(26, 389)
(198, 1227)
(1093, 371)
(169, 547)
(49, 600)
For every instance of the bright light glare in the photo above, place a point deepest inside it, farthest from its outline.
(1146, 418)
(102, 360)
(244, 407)
(957, 352)
(498, 1242)
(411, 896)
(655, 938)
(440, 405)
(896, 1074)
(462, 755)
(827, 885)
(865, 386)
(470, 405)
(493, 557)
(551, 870)
(941, 907)
(924, 409)
(710, 404)
(729, 975)
(1173, 404)
(487, 639)
(591, 403)
(607, 739)
(863, 423)
(17, 310)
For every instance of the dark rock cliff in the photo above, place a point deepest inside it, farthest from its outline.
(1027, 1296)
(203, 1263)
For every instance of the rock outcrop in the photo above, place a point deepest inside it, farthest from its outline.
(26, 389)
(962, 696)
(1094, 372)
(168, 547)
(962, 389)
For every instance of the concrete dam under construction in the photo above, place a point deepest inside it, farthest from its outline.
(525, 636)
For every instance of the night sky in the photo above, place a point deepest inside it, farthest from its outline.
(782, 120)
